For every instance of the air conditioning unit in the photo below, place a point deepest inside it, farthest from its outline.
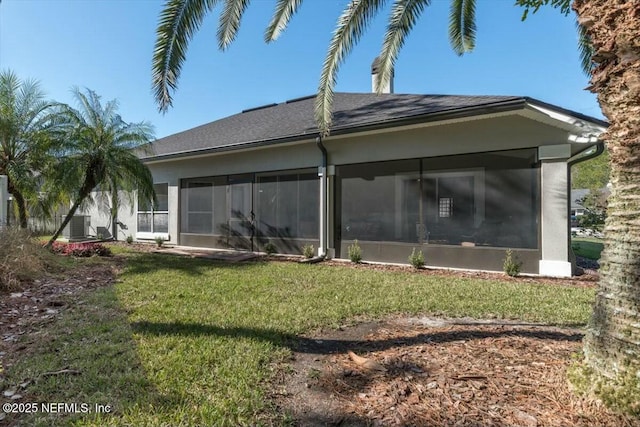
(78, 228)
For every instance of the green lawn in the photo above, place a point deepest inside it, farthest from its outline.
(183, 341)
(587, 247)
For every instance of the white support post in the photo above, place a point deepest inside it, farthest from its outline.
(4, 199)
(322, 173)
(555, 211)
(329, 212)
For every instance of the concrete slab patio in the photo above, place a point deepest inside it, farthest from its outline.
(213, 254)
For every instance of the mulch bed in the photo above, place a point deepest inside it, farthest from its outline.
(431, 371)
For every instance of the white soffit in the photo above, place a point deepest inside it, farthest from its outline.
(580, 131)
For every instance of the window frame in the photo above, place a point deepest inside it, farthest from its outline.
(150, 235)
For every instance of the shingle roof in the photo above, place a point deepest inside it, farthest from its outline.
(576, 197)
(294, 120)
(578, 194)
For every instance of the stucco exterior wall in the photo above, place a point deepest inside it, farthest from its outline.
(100, 217)
(4, 198)
(291, 156)
(471, 136)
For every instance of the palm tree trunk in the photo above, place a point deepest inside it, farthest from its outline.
(66, 220)
(612, 343)
(83, 194)
(22, 206)
(114, 213)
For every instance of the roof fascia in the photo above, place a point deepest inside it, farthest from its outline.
(582, 129)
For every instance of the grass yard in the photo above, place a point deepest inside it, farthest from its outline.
(587, 247)
(181, 342)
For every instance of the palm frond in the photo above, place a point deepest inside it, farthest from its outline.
(87, 113)
(285, 9)
(585, 47)
(230, 21)
(462, 26)
(403, 17)
(134, 135)
(351, 25)
(179, 21)
(26, 130)
(535, 5)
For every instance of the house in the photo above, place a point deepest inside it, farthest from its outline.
(464, 178)
(577, 196)
(591, 203)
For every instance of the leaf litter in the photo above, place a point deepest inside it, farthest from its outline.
(431, 371)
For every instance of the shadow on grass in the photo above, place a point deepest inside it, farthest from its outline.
(329, 346)
(96, 340)
(150, 262)
(359, 381)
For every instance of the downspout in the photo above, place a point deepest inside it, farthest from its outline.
(579, 158)
(324, 202)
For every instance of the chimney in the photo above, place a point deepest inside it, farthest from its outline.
(375, 66)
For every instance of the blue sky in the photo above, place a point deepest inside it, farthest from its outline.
(106, 45)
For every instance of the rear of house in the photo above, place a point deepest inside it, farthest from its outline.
(464, 178)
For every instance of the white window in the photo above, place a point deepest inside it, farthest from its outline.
(445, 207)
(154, 219)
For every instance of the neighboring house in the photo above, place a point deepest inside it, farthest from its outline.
(595, 204)
(577, 196)
(461, 177)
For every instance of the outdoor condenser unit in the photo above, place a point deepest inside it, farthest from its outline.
(78, 227)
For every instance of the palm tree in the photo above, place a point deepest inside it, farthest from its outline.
(612, 344)
(26, 124)
(609, 31)
(99, 154)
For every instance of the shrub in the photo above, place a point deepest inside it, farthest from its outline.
(21, 258)
(270, 248)
(308, 251)
(80, 250)
(511, 264)
(416, 259)
(101, 250)
(355, 252)
(129, 239)
(159, 241)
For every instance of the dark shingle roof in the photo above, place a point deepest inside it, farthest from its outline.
(576, 197)
(294, 120)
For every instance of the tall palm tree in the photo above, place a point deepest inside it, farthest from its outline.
(99, 154)
(612, 344)
(609, 31)
(27, 121)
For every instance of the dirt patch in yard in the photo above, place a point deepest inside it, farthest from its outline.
(40, 302)
(430, 371)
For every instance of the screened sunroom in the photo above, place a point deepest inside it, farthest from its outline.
(247, 211)
(442, 205)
